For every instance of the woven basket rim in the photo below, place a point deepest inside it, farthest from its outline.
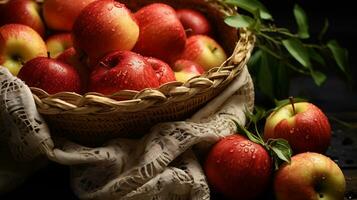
(95, 103)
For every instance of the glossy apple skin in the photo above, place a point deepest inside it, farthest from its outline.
(309, 176)
(186, 69)
(102, 27)
(308, 130)
(163, 71)
(56, 44)
(162, 35)
(61, 14)
(194, 22)
(204, 51)
(122, 70)
(70, 57)
(238, 168)
(26, 12)
(50, 75)
(19, 44)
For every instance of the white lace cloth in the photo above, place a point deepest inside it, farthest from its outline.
(161, 165)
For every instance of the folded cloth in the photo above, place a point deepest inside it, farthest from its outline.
(161, 165)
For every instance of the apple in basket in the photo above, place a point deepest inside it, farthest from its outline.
(162, 35)
(18, 44)
(56, 44)
(26, 12)
(102, 27)
(204, 51)
(238, 168)
(70, 57)
(51, 75)
(194, 22)
(122, 70)
(309, 176)
(186, 69)
(163, 71)
(61, 14)
(302, 124)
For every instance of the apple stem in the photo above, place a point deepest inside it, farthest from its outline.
(214, 49)
(103, 64)
(189, 30)
(291, 99)
(48, 54)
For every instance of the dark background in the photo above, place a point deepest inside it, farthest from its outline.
(334, 96)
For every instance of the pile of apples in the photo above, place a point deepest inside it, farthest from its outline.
(102, 46)
(241, 169)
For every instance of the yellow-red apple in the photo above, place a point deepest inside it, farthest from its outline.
(56, 44)
(19, 44)
(186, 69)
(61, 14)
(204, 51)
(163, 71)
(104, 26)
(194, 22)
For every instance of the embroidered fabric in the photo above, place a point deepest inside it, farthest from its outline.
(165, 164)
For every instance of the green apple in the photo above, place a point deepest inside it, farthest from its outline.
(56, 44)
(19, 44)
(303, 125)
(309, 176)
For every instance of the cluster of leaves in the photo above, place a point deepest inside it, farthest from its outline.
(280, 54)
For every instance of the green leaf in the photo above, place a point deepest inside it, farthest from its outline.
(340, 54)
(255, 59)
(302, 22)
(251, 6)
(251, 136)
(324, 29)
(314, 55)
(264, 77)
(281, 150)
(318, 77)
(298, 51)
(239, 21)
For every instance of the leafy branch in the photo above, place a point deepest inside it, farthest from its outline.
(280, 52)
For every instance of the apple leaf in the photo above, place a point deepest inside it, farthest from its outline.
(318, 77)
(314, 55)
(340, 54)
(324, 29)
(251, 6)
(280, 151)
(296, 48)
(302, 22)
(264, 76)
(239, 21)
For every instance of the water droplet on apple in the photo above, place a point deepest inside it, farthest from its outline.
(235, 143)
(253, 156)
(113, 29)
(292, 130)
(307, 137)
(246, 150)
(249, 144)
(218, 161)
(242, 145)
(231, 151)
(252, 150)
(323, 178)
(315, 120)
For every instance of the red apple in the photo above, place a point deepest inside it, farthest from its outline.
(194, 22)
(71, 58)
(186, 69)
(161, 33)
(19, 44)
(58, 43)
(238, 168)
(204, 51)
(309, 176)
(163, 71)
(61, 14)
(26, 12)
(305, 127)
(51, 75)
(104, 26)
(122, 70)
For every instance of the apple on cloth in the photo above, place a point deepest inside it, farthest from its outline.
(19, 44)
(160, 165)
(310, 176)
(302, 124)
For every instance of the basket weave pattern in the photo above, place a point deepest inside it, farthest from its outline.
(95, 117)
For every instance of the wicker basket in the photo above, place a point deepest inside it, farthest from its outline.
(95, 118)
